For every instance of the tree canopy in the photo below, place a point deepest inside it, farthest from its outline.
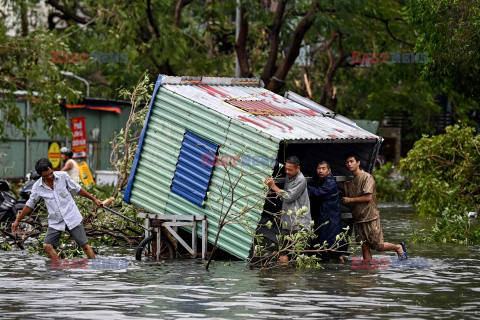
(449, 31)
(305, 46)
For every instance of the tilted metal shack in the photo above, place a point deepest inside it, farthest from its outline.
(192, 117)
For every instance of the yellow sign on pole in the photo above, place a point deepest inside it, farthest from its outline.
(85, 174)
(54, 154)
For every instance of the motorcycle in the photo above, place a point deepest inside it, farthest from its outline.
(10, 206)
(26, 190)
(7, 204)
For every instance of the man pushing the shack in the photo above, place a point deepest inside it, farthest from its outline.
(63, 214)
(294, 197)
(325, 210)
(360, 193)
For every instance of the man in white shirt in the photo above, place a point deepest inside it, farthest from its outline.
(63, 214)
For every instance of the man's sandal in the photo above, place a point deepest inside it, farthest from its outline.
(403, 255)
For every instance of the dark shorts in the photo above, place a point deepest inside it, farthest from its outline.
(78, 234)
(370, 232)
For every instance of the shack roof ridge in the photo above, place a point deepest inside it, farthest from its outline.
(212, 81)
(305, 121)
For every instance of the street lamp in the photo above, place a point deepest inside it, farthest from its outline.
(69, 74)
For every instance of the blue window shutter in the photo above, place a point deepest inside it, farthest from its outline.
(194, 168)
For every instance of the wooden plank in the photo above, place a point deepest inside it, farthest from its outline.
(174, 239)
(337, 178)
(145, 215)
(165, 216)
(347, 215)
(194, 240)
(147, 225)
(204, 239)
(182, 242)
(171, 226)
(159, 240)
(178, 224)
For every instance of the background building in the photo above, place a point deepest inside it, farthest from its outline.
(104, 118)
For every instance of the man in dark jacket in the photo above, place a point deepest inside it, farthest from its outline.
(325, 207)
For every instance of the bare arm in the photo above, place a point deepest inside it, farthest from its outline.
(68, 166)
(87, 195)
(271, 184)
(26, 210)
(276, 189)
(366, 198)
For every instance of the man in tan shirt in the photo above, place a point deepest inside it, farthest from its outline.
(360, 193)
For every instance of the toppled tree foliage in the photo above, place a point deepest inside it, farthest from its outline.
(445, 173)
(101, 227)
(299, 246)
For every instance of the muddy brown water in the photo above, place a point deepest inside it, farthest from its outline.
(448, 288)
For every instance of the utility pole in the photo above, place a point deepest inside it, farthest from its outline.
(237, 31)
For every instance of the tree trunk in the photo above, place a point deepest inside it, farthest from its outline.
(328, 96)
(241, 46)
(24, 18)
(278, 79)
(67, 14)
(178, 11)
(271, 64)
(164, 68)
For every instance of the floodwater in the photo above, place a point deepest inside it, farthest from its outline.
(447, 288)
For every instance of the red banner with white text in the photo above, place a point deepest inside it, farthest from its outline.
(79, 141)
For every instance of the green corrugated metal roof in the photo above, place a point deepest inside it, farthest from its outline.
(170, 117)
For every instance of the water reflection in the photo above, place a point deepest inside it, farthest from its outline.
(448, 288)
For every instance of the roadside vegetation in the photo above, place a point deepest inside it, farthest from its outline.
(445, 183)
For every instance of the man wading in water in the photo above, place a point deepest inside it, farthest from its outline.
(360, 192)
(294, 197)
(325, 210)
(63, 214)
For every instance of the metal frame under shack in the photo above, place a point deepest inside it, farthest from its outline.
(192, 119)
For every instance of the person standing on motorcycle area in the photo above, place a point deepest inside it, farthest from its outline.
(63, 214)
(70, 166)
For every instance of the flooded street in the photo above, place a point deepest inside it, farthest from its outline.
(448, 288)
